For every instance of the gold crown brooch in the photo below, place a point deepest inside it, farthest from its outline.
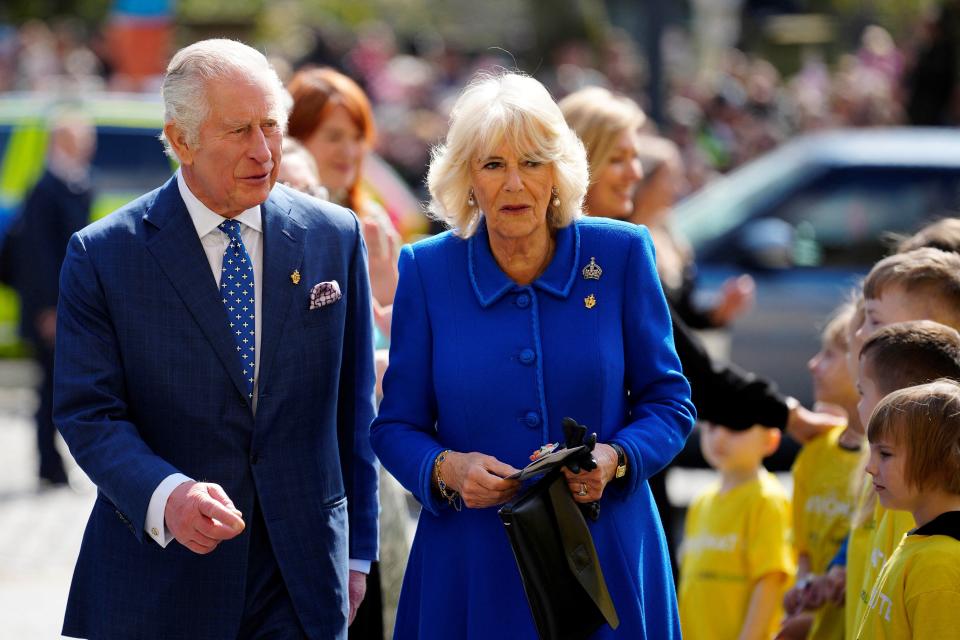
(592, 271)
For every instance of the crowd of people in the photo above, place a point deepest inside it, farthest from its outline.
(559, 289)
(720, 116)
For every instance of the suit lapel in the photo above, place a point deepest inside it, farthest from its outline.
(178, 251)
(283, 244)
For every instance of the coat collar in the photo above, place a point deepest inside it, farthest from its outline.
(490, 283)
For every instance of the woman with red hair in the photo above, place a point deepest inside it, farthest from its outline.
(332, 118)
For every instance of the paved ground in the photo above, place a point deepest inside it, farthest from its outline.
(40, 530)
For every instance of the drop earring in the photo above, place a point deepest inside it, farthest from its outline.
(556, 198)
(471, 200)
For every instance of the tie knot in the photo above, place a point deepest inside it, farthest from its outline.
(231, 228)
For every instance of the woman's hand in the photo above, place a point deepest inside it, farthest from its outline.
(587, 486)
(736, 297)
(479, 479)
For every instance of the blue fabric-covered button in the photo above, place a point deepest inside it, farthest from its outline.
(527, 356)
(532, 419)
(523, 301)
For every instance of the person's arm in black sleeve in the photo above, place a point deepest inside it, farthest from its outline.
(727, 395)
(723, 393)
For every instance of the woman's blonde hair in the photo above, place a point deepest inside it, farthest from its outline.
(517, 110)
(599, 117)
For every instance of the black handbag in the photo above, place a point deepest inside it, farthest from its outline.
(558, 562)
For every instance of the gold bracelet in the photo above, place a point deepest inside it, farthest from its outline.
(452, 497)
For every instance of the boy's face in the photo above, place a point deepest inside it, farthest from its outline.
(728, 450)
(831, 380)
(886, 465)
(870, 396)
(895, 304)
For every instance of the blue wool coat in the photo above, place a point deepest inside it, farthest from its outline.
(479, 363)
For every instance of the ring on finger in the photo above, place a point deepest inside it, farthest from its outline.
(583, 489)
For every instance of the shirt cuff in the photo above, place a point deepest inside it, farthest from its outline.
(155, 526)
(363, 566)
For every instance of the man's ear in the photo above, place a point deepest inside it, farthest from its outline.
(178, 141)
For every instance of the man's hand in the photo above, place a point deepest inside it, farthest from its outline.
(201, 516)
(357, 587)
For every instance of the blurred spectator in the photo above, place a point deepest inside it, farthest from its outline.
(298, 170)
(332, 118)
(58, 206)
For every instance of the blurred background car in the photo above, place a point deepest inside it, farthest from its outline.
(128, 162)
(807, 221)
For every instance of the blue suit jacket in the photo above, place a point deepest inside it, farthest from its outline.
(148, 383)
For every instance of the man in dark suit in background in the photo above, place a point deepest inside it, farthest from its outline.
(214, 378)
(58, 206)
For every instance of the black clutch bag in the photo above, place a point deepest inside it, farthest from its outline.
(557, 560)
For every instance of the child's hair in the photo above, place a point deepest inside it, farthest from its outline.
(930, 273)
(943, 234)
(910, 353)
(925, 421)
(835, 331)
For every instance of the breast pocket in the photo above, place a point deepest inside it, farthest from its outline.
(324, 323)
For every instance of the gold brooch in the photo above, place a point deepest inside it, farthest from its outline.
(590, 302)
(295, 277)
(592, 271)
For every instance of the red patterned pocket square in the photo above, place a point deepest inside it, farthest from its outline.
(324, 293)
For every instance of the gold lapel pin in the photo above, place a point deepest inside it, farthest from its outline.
(592, 271)
(295, 277)
(590, 302)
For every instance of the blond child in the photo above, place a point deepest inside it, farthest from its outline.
(823, 497)
(914, 436)
(895, 357)
(736, 558)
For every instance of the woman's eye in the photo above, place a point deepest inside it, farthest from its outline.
(492, 165)
(532, 163)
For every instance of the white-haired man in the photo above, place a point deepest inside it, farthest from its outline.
(214, 378)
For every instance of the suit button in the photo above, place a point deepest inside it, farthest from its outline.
(527, 356)
(523, 301)
(254, 458)
(532, 419)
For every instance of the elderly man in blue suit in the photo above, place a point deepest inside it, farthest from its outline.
(214, 378)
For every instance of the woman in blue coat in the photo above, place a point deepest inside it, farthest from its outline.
(522, 314)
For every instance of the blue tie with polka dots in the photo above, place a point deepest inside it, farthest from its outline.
(237, 293)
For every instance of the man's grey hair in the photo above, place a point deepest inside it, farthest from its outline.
(184, 85)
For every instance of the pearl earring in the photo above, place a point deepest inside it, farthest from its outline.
(556, 198)
(471, 200)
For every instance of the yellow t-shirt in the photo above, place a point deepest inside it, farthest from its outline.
(917, 594)
(822, 506)
(731, 540)
(858, 548)
(891, 526)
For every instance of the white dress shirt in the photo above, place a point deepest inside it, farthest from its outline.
(215, 243)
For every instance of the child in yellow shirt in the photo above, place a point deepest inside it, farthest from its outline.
(894, 357)
(736, 559)
(914, 438)
(822, 490)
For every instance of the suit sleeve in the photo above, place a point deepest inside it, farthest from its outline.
(89, 404)
(661, 413)
(404, 433)
(356, 411)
